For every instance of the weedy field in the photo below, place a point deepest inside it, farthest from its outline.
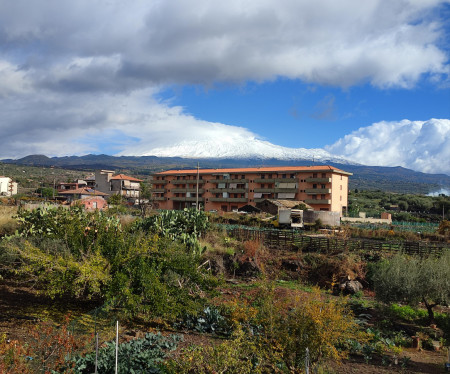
(189, 298)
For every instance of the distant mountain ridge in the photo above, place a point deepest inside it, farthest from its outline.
(394, 179)
(240, 148)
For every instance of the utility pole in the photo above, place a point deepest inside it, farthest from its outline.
(196, 195)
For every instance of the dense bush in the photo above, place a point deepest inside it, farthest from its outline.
(243, 354)
(157, 277)
(273, 335)
(70, 252)
(81, 231)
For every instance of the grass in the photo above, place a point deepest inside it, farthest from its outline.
(7, 223)
(294, 285)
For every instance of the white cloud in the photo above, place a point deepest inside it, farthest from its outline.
(418, 145)
(76, 75)
(388, 43)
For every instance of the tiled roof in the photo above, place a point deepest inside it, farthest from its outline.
(83, 191)
(126, 178)
(318, 168)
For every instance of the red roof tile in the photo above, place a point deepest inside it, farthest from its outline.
(83, 191)
(126, 178)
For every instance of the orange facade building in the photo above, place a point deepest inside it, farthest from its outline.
(321, 187)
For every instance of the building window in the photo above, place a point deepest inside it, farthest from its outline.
(263, 176)
(324, 175)
(341, 187)
(340, 198)
(314, 175)
(323, 186)
(283, 176)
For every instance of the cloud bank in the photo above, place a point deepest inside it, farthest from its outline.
(417, 145)
(77, 77)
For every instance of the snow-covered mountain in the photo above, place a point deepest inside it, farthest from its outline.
(240, 148)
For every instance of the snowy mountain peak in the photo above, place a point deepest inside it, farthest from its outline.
(241, 148)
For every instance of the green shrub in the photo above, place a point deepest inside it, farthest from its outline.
(157, 277)
(243, 354)
(406, 312)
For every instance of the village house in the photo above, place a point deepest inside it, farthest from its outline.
(92, 203)
(7, 186)
(72, 195)
(71, 186)
(127, 187)
(324, 188)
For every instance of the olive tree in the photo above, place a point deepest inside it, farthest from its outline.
(413, 280)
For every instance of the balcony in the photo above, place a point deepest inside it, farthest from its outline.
(185, 181)
(156, 190)
(193, 199)
(318, 202)
(317, 191)
(273, 180)
(154, 181)
(318, 180)
(229, 199)
(232, 190)
(159, 198)
(227, 181)
(273, 190)
(181, 190)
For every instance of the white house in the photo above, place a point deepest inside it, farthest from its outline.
(7, 186)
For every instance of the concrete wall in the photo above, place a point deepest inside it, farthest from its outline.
(327, 218)
(102, 178)
(339, 192)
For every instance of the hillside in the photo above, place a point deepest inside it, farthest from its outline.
(393, 179)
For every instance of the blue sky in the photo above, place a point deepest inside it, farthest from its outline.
(296, 114)
(368, 81)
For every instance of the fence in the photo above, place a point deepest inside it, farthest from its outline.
(294, 240)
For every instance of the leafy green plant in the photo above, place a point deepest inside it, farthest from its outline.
(136, 356)
(210, 320)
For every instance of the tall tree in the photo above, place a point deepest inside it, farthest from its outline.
(413, 280)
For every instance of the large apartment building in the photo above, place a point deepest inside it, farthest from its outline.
(321, 187)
